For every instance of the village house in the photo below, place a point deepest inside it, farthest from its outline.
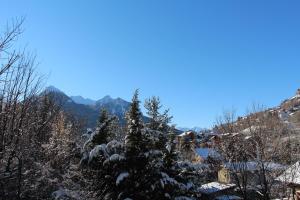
(291, 178)
(185, 137)
(230, 171)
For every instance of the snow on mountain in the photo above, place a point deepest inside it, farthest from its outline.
(195, 129)
(82, 100)
(117, 106)
(51, 88)
(88, 109)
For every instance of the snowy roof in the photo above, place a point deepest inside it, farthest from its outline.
(214, 187)
(121, 177)
(205, 152)
(291, 175)
(228, 197)
(252, 166)
(185, 133)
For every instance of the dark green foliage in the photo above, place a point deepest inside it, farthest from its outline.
(134, 139)
(104, 130)
(153, 106)
(158, 121)
(170, 156)
(102, 117)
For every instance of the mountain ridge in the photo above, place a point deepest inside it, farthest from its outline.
(87, 109)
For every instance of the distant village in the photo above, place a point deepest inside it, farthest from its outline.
(225, 180)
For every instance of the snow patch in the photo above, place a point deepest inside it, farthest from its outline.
(214, 187)
(116, 157)
(97, 151)
(121, 177)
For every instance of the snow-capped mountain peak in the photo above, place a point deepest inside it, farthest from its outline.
(51, 88)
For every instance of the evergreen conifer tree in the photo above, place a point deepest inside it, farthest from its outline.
(143, 181)
(104, 130)
(158, 121)
(134, 138)
(170, 155)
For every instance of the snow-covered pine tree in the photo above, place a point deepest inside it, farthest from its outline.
(142, 178)
(101, 156)
(153, 106)
(158, 122)
(134, 138)
(104, 131)
(170, 156)
(135, 150)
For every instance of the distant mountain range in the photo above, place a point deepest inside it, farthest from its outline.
(195, 129)
(88, 109)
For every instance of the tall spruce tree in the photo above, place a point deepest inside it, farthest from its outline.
(158, 121)
(143, 179)
(153, 106)
(134, 138)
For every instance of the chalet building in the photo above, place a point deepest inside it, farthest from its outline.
(188, 136)
(291, 178)
(185, 142)
(227, 173)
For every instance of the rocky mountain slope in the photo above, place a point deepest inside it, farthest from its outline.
(82, 100)
(87, 109)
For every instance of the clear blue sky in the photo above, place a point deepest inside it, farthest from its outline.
(200, 57)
